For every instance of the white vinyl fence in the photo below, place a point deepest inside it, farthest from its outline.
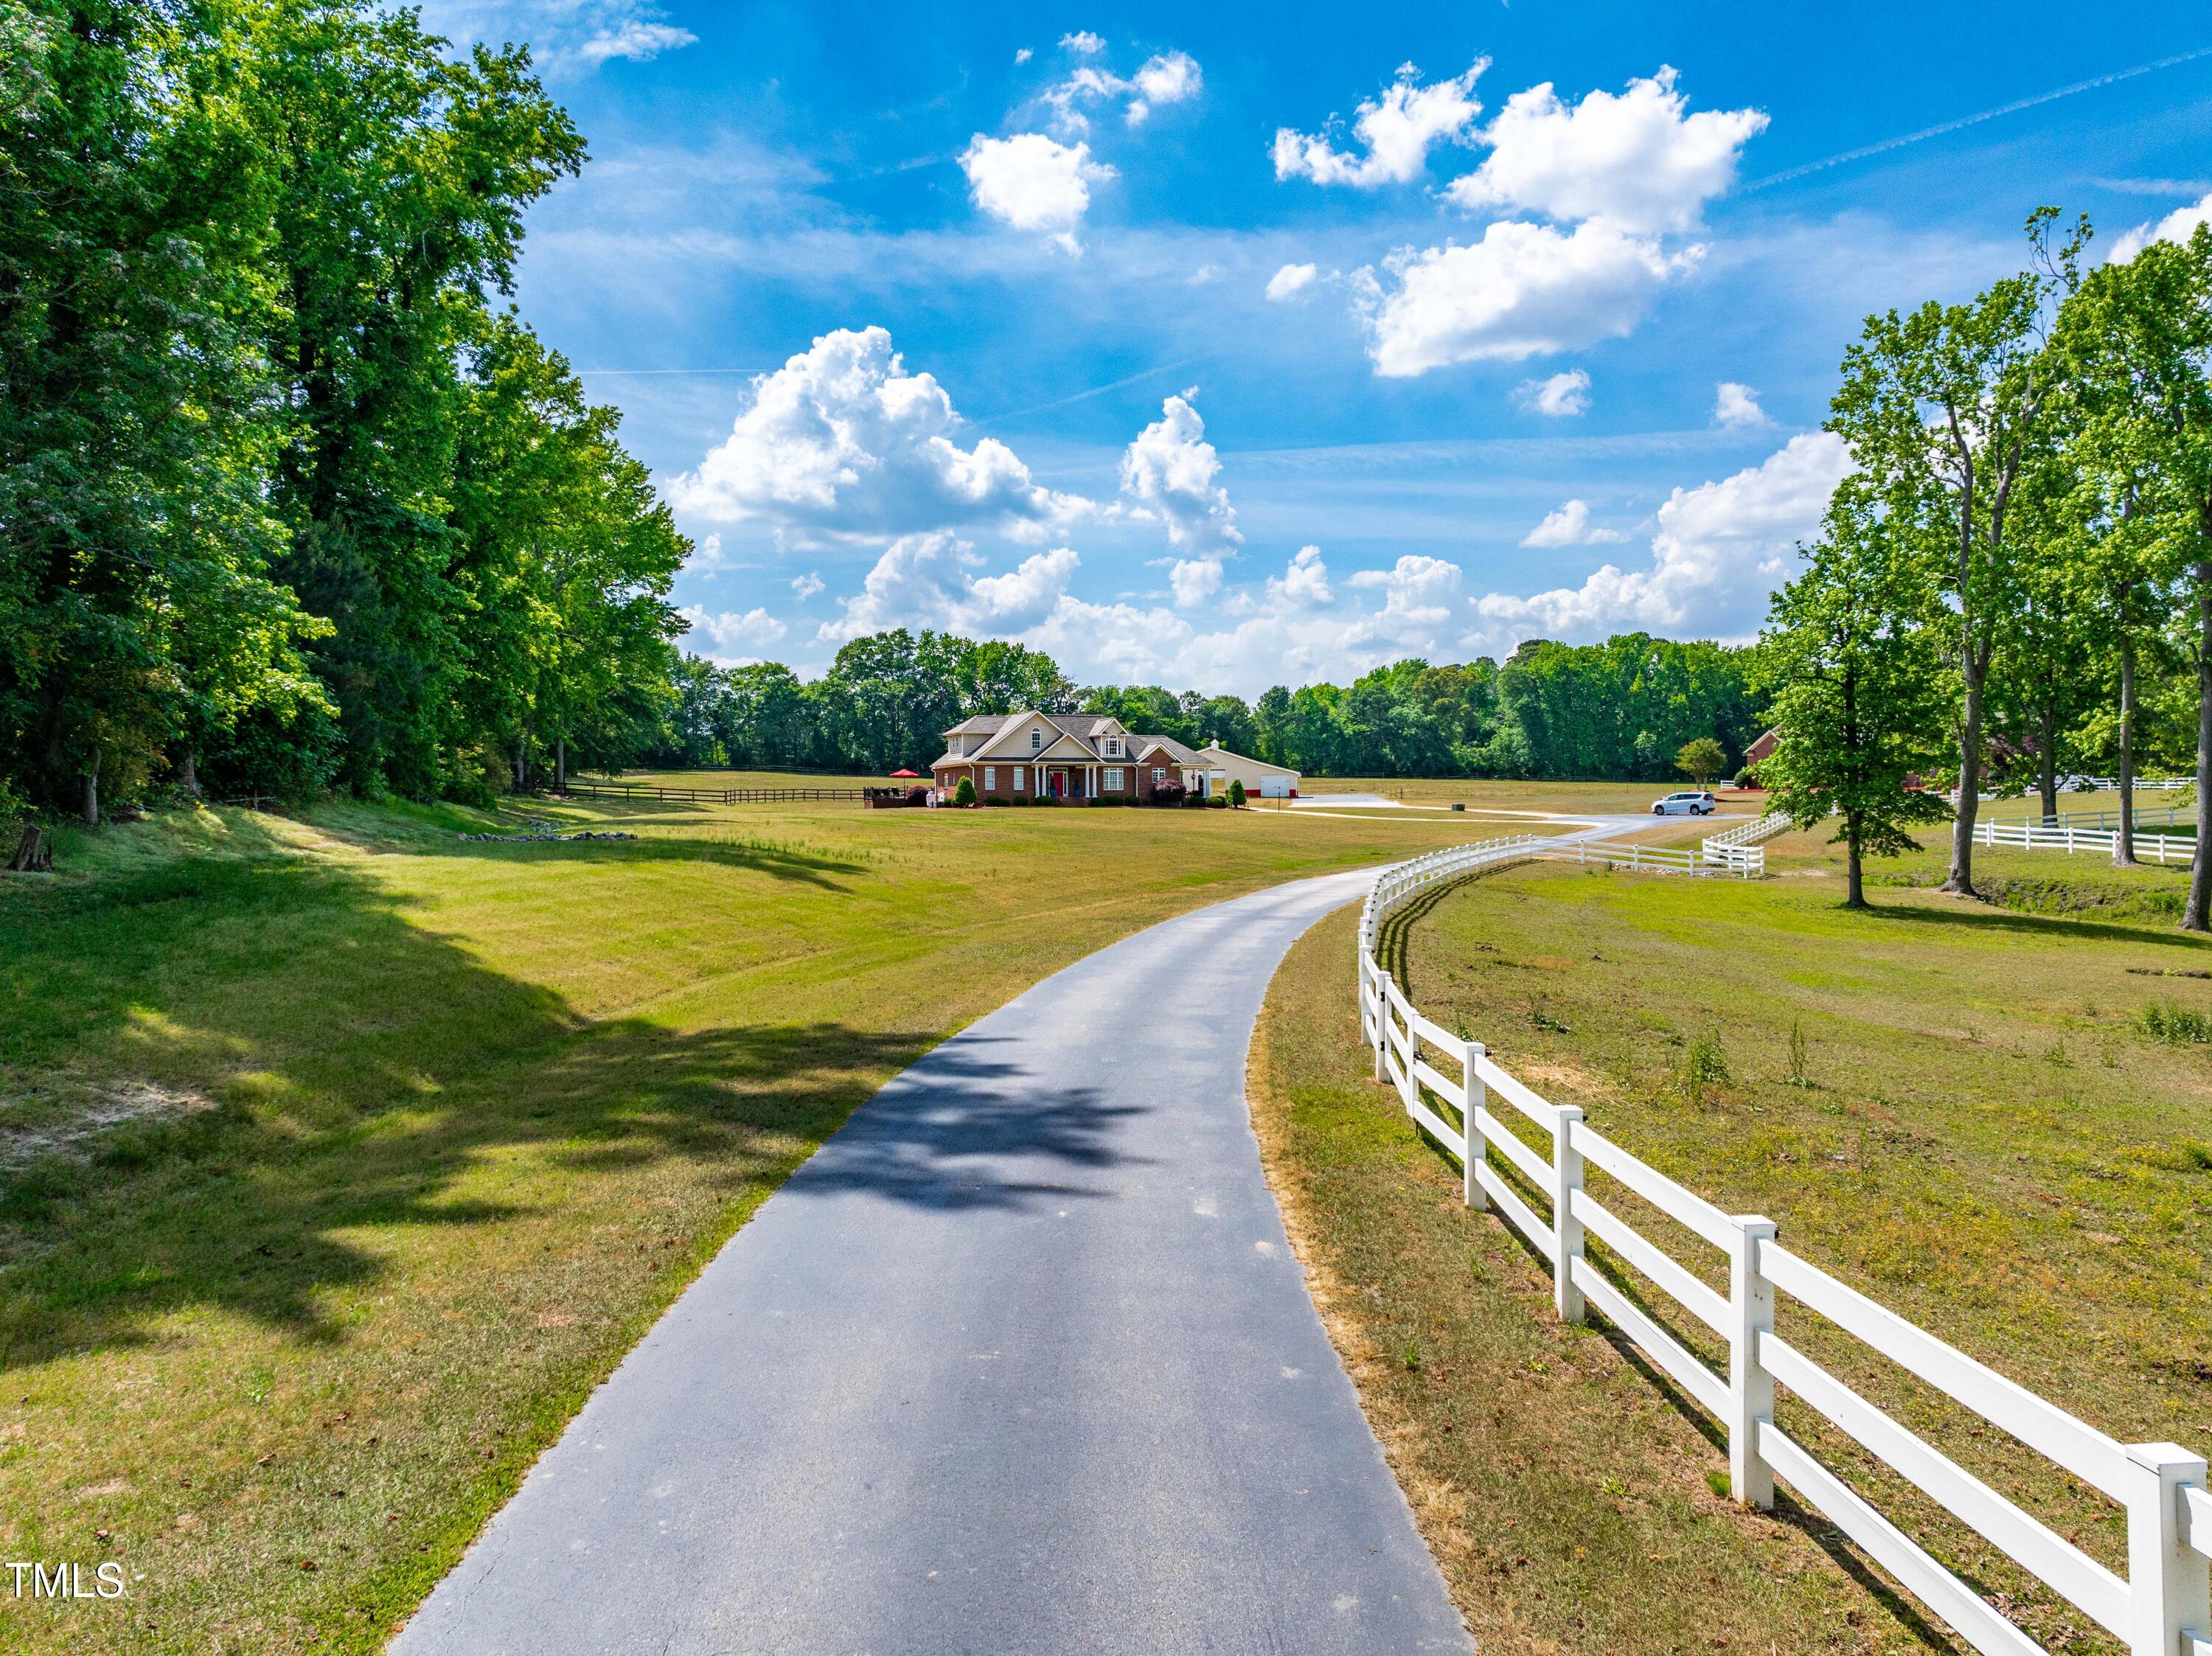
(1451, 1088)
(2031, 836)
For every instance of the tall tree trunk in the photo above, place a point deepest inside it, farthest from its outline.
(2194, 917)
(1961, 880)
(1855, 896)
(522, 763)
(188, 777)
(2124, 853)
(560, 764)
(2046, 762)
(92, 791)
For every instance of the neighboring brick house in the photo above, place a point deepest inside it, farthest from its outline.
(1766, 744)
(1075, 757)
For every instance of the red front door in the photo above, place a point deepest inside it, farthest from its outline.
(1058, 782)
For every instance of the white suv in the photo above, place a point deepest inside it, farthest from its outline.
(1695, 802)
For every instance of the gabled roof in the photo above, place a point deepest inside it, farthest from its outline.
(1215, 748)
(982, 723)
(1013, 723)
(1144, 746)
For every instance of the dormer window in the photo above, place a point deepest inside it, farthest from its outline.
(1113, 747)
(1036, 738)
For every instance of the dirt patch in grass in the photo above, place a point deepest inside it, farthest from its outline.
(65, 1117)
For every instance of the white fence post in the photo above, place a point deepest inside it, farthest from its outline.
(1566, 1230)
(1478, 1147)
(1751, 1388)
(1382, 1021)
(2167, 1585)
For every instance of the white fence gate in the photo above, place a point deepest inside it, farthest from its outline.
(1450, 1087)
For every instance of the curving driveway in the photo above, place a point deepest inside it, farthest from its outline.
(1019, 1362)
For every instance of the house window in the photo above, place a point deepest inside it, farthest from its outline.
(1113, 747)
(1114, 777)
(1018, 778)
(1036, 739)
(1159, 775)
(990, 776)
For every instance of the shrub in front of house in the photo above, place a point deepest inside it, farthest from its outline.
(998, 799)
(1217, 803)
(963, 791)
(1747, 777)
(1236, 794)
(1168, 793)
(918, 797)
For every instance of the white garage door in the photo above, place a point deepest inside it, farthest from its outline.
(1274, 787)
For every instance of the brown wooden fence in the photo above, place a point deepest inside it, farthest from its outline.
(659, 791)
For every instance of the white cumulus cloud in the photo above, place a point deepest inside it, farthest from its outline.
(2176, 226)
(1290, 280)
(1083, 42)
(1570, 526)
(843, 442)
(1166, 77)
(1033, 182)
(925, 580)
(1396, 131)
(1170, 470)
(1195, 580)
(734, 632)
(806, 585)
(1720, 549)
(1421, 604)
(1639, 160)
(1560, 397)
(1736, 406)
(568, 38)
(1523, 290)
(1304, 582)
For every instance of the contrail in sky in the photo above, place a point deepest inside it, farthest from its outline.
(1096, 390)
(1975, 120)
(580, 372)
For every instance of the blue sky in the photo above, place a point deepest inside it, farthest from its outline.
(1227, 346)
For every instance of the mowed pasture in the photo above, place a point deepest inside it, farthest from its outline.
(1596, 798)
(343, 1156)
(1997, 1121)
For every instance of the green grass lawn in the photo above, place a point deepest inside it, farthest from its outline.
(342, 1157)
(1989, 1138)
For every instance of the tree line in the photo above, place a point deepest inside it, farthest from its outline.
(290, 497)
(2016, 579)
(1621, 710)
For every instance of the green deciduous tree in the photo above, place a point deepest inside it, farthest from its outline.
(2139, 339)
(137, 612)
(1944, 409)
(1701, 759)
(1857, 678)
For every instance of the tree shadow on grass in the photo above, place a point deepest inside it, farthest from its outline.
(363, 1067)
(2042, 927)
(760, 856)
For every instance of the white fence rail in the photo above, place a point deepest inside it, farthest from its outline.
(1734, 849)
(1453, 1089)
(2030, 836)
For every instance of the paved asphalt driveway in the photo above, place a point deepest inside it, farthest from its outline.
(1019, 1362)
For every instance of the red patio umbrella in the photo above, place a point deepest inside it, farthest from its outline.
(896, 774)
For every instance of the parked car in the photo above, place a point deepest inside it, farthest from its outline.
(1694, 801)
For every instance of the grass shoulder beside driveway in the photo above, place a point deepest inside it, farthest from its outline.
(1988, 1137)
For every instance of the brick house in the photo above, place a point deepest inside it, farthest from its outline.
(1075, 757)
